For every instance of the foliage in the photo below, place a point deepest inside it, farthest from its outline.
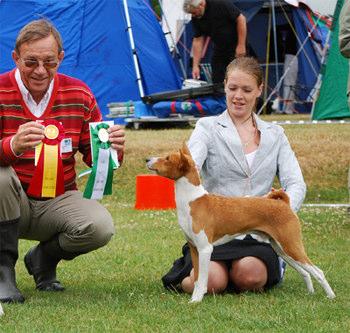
(156, 7)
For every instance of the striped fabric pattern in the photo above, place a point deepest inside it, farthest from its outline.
(72, 103)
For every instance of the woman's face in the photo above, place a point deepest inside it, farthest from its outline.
(241, 90)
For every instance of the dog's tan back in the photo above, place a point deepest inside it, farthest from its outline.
(244, 215)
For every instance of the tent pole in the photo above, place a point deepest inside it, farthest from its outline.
(275, 42)
(132, 44)
(267, 59)
(319, 77)
(178, 55)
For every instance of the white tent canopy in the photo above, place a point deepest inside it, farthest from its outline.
(174, 19)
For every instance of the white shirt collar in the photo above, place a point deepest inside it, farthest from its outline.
(36, 109)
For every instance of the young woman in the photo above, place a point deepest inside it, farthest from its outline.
(238, 154)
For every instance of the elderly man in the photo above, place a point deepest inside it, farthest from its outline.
(66, 225)
(224, 23)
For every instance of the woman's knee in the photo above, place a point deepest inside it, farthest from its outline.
(187, 284)
(248, 274)
(217, 279)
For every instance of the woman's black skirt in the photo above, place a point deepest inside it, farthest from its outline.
(233, 250)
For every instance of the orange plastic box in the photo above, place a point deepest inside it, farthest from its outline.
(154, 192)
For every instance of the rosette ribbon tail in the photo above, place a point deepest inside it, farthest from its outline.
(48, 178)
(101, 177)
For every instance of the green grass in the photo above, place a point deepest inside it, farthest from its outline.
(118, 288)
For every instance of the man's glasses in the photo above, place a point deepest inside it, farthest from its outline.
(34, 63)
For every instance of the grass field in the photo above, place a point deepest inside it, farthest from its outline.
(118, 288)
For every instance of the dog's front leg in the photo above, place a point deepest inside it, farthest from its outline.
(194, 258)
(200, 285)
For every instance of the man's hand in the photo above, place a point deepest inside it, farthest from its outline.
(196, 72)
(241, 36)
(240, 51)
(197, 48)
(117, 137)
(28, 136)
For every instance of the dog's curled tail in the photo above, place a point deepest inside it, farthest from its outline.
(278, 195)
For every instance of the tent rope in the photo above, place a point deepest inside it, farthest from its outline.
(297, 37)
(278, 85)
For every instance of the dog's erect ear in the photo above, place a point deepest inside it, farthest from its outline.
(184, 163)
(185, 149)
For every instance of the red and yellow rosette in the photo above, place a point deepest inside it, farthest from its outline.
(48, 181)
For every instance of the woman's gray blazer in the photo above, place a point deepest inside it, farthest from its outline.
(218, 153)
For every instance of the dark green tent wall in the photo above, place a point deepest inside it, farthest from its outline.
(332, 100)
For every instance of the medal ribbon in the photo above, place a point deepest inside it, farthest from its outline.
(101, 177)
(48, 178)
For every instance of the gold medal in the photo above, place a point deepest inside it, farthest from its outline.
(51, 132)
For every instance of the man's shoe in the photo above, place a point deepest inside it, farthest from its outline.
(8, 289)
(41, 262)
(43, 269)
(8, 257)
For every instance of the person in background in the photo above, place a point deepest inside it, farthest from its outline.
(66, 225)
(238, 154)
(222, 21)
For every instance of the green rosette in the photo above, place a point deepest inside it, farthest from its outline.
(101, 176)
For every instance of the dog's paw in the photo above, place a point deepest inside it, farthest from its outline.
(311, 289)
(331, 294)
(197, 294)
(196, 299)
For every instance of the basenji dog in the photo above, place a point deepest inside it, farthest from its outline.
(208, 220)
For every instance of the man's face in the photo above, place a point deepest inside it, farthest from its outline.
(37, 62)
(198, 11)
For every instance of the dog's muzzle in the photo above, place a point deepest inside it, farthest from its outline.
(150, 161)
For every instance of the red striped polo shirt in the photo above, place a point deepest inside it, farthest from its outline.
(72, 103)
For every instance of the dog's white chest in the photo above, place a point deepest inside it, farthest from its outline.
(185, 193)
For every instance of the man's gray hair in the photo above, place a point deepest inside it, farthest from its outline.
(190, 4)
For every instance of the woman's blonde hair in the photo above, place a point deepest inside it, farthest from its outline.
(247, 65)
